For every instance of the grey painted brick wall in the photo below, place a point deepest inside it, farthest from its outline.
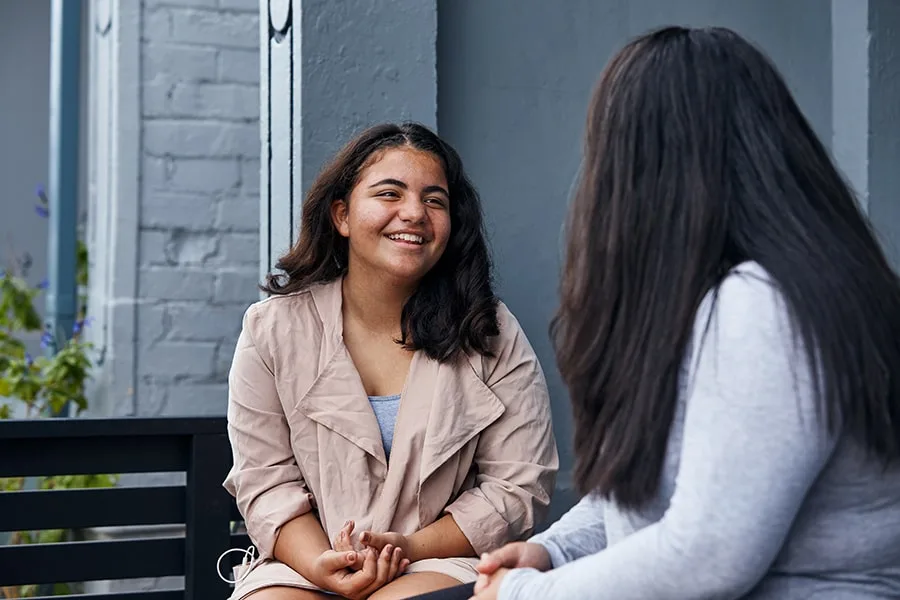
(198, 248)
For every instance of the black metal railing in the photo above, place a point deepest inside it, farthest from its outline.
(197, 446)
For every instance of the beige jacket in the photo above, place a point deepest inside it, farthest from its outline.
(472, 438)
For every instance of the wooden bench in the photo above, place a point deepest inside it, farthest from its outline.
(197, 446)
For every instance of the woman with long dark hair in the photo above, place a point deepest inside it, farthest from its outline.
(729, 332)
(388, 418)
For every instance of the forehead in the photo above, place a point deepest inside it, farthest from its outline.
(406, 164)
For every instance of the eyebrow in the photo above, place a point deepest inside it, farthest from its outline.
(428, 190)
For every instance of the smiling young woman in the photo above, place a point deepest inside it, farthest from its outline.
(389, 419)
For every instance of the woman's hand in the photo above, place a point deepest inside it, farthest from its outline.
(345, 541)
(487, 587)
(332, 571)
(379, 541)
(517, 555)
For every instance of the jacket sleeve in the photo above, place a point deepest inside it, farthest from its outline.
(265, 479)
(515, 457)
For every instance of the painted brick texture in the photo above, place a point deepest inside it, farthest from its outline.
(198, 246)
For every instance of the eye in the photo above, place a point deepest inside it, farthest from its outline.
(436, 200)
(388, 194)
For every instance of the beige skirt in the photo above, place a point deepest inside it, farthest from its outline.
(271, 573)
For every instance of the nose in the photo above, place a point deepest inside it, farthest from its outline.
(412, 210)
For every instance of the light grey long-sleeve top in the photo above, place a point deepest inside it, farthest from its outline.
(756, 500)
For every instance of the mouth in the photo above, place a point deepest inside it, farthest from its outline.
(407, 238)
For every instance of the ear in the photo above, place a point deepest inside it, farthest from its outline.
(339, 215)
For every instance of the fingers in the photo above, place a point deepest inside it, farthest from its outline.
(384, 565)
(372, 539)
(342, 538)
(358, 582)
(382, 569)
(488, 564)
(507, 556)
(396, 557)
(335, 561)
(370, 565)
(366, 580)
(481, 583)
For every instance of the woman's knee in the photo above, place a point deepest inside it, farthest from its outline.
(288, 593)
(414, 584)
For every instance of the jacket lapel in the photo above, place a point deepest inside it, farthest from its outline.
(337, 399)
(443, 406)
(461, 406)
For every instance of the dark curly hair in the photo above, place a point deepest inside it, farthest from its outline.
(454, 307)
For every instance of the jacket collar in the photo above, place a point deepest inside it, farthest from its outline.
(448, 400)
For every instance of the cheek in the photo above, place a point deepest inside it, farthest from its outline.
(369, 217)
(442, 229)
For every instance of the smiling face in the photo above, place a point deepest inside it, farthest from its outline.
(397, 219)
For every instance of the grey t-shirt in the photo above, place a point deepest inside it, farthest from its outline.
(385, 409)
(756, 500)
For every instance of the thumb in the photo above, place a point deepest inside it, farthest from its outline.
(375, 540)
(335, 561)
(507, 556)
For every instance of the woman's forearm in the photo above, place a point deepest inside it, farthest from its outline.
(300, 542)
(441, 539)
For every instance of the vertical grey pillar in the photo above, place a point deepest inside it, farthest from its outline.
(884, 124)
(850, 92)
(866, 109)
(330, 69)
(113, 165)
(65, 97)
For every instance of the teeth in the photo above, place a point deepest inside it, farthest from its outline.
(407, 237)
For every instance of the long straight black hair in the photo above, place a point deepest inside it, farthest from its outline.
(696, 159)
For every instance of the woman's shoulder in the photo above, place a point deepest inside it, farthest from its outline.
(510, 332)
(275, 306)
(749, 292)
(746, 308)
(284, 312)
(508, 348)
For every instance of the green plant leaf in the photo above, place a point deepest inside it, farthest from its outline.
(51, 536)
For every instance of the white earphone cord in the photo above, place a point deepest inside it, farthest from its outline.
(247, 561)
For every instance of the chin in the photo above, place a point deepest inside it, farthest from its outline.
(405, 276)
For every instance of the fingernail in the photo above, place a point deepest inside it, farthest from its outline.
(351, 556)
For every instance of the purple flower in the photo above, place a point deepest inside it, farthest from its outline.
(44, 284)
(40, 193)
(28, 360)
(76, 328)
(41, 211)
(46, 340)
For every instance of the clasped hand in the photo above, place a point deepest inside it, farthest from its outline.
(495, 565)
(356, 569)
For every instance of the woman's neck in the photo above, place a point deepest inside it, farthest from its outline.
(374, 302)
